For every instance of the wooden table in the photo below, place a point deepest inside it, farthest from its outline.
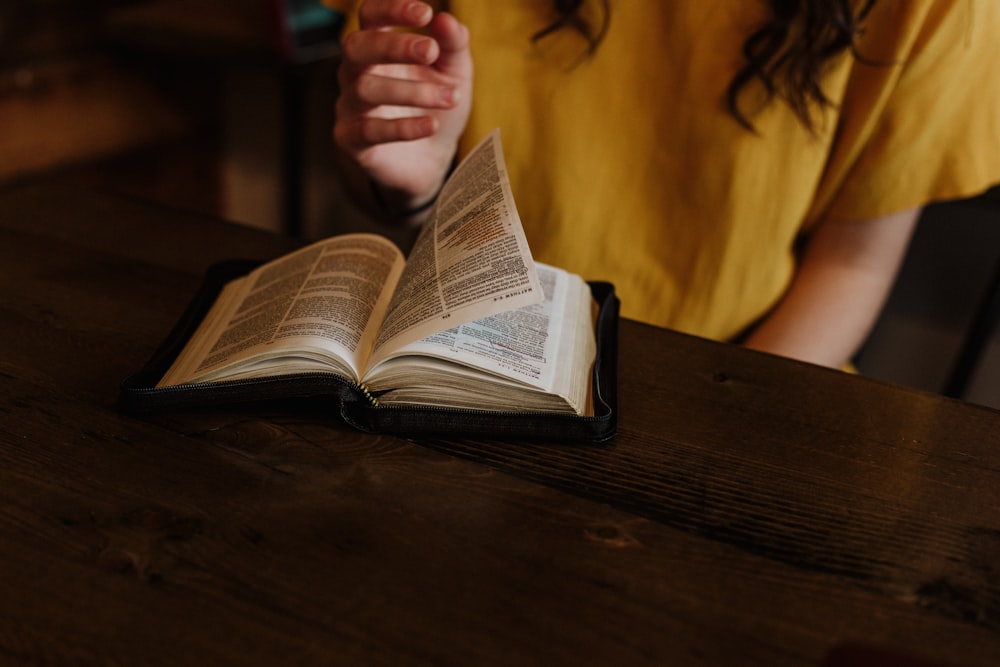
(752, 510)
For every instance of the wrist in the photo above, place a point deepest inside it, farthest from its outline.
(395, 209)
(399, 206)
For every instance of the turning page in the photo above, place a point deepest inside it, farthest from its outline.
(471, 259)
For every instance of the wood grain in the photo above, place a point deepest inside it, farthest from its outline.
(752, 510)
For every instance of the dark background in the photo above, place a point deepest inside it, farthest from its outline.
(224, 108)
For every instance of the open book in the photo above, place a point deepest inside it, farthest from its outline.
(468, 322)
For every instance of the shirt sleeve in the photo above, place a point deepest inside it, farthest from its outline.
(920, 117)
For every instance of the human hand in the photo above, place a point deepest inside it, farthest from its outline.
(404, 98)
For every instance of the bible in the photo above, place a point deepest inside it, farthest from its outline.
(468, 334)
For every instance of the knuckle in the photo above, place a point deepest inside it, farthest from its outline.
(364, 88)
(369, 131)
(369, 12)
(340, 135)
(350, 45)
(404, 47)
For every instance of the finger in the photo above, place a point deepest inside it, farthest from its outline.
(366, 132)
(371, 90)
(372, 47)
(390, 13)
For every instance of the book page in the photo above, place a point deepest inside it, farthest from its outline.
(316, 309)
(471, 259)
(547, 346)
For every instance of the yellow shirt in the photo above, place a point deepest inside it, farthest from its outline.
(627, 167)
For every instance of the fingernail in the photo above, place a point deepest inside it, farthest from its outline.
(448, 95)
(418, 11)
(426, 125)
(422, 48)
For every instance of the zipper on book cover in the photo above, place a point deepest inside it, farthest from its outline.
(363, 389)
(371, 398)
(222, 389)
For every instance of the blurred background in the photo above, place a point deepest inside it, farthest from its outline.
(224, 108)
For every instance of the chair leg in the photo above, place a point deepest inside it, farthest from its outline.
(983, 323)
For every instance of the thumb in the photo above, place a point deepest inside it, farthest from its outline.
(452, 37)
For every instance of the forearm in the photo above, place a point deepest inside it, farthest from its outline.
(838, 292)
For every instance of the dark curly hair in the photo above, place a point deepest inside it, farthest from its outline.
(791, 69)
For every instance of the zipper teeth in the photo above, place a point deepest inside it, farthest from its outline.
(370, 398)
(498, 413)
(329, 378)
